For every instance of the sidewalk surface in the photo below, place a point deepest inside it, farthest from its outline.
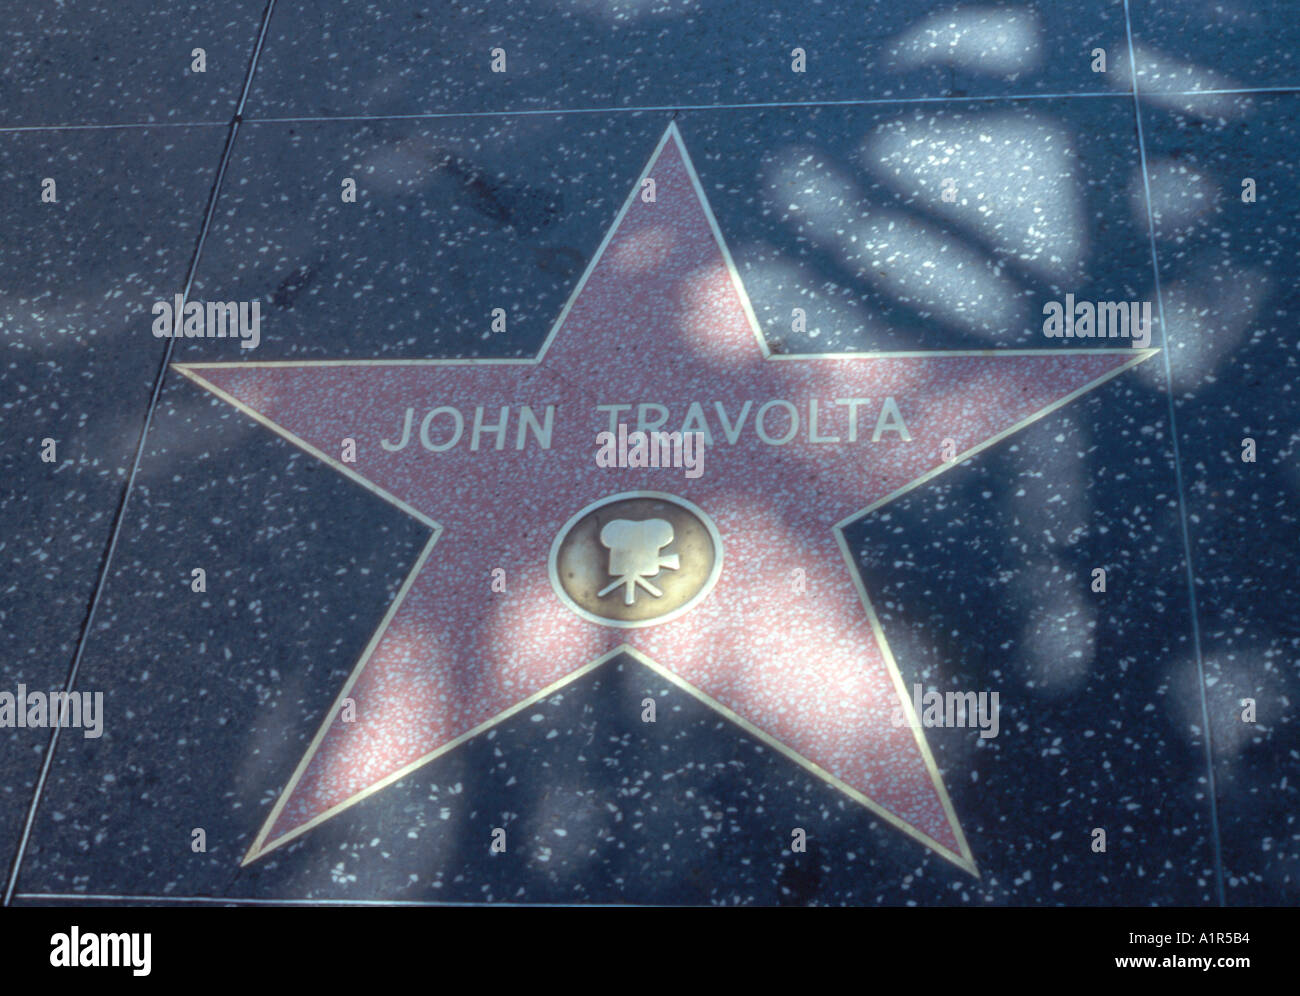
(827, 236)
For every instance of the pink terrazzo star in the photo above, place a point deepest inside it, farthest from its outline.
(660, 317)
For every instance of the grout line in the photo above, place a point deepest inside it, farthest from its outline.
(676, 108)
(1224, 90)
(120, 517)
(258, 901)
(139, 125)
(1178, 477)
(252, 65)
(806, 104)
(532, 112)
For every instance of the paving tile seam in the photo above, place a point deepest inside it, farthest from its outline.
(652, 108)
(1178, 475)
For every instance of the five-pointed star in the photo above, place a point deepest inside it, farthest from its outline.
(661, 316)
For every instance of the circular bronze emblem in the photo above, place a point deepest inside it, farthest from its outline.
(635, 559)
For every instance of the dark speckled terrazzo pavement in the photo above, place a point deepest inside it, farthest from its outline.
(1121, 709)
